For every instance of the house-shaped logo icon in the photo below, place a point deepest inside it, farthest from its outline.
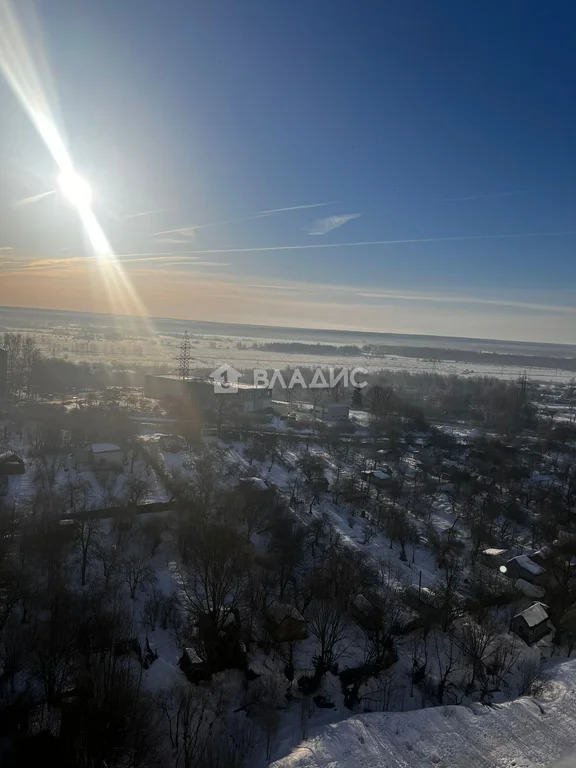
(225, 379)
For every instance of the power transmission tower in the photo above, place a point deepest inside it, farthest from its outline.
(185, 357)
(523, 386)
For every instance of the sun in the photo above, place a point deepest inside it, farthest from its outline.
(75, 189)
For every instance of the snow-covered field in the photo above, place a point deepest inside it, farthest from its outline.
(525, 733)
(212, 351)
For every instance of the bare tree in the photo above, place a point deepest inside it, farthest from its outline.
(446, 660)
(87, 532)
(192, 715)
(153, 528)
(478, 644)
(214, 572)
(137, 573)
(134, 491)
(330, 628)
(110, 558)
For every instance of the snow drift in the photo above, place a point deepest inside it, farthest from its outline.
(525, 733)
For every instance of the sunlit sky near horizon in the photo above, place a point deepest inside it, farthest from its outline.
(397, 167)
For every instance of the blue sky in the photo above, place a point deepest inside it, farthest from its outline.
(418, 121)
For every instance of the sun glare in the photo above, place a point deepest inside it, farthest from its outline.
(21, 63)
(75, 189)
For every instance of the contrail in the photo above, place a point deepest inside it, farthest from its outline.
(294, 208)
(33, 199)
(159, 256)
(363, 243)
(140, 214)
(260, 215)
(481, 197)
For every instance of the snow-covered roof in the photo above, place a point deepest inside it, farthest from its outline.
(104, 447)
(424, 594)
(362, 604)
(257, 482)
(527, 564)
(192, 655)
(10, 456)
(530, 590)
(494, 552)
(280, 611)
(534, 615)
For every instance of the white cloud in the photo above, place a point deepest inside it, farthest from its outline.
(323, 226)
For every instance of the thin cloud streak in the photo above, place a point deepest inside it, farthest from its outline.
(189, 231)
(390, 295)
(486, 195)
(323, 226)
(33, 199)
(363, 243)
(172, 240)
(167, 259)
(294, 208)
(141, 214)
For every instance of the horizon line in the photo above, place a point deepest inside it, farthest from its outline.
(288, 327)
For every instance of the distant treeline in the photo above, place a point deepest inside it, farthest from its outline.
(56, 376)
(473, 356)
(299, 347)
(426, 353)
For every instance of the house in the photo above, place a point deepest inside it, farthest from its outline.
(318, 484)
(532, 624)
(422, 600)
(100, 456)
(541, 556)
(254, 398)
(195, 669)
(171, 443)
(523, 567)
(11, 464)
(220, 637)
(286, 622)
(254, 482)
(335, 412)
(532, 591)
(377, 478)
(368, 610)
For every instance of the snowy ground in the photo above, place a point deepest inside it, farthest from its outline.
(523, 734)
(211, 351)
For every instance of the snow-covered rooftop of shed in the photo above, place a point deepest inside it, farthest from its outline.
(280, 611)
(104, 447)
(534, 615)
(257, 482)
(530, 590)
(529, 565)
